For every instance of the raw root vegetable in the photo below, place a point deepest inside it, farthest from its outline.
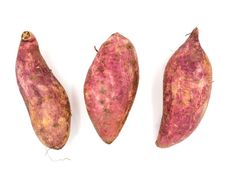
(111, 85)
(187, 88)
(45, 98)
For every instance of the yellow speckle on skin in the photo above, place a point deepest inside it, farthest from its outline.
(46, 121)
(174, 89)
(61, 121)
(118, 50)
(38, 126)
(86, 94)
(33, 100)
(202, 83)
(186, 97)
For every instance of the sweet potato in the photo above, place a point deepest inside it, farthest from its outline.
(44, 97)
(110, 86)
(187, 87)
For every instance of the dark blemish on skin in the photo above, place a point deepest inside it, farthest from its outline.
(33, 77)
(102, 61)
(101, 101)
(106, 110)
(55, 125)
(190, 100)
(129, 46)
(116, 55)
(100, 69)
(132, 62)
(102, 90)
(51, 96)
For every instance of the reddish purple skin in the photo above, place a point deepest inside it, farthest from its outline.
(45, 98)
(111, 85)
(187, 88)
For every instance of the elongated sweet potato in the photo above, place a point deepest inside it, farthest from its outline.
(187, 87)
(45, 98)
(111, 85)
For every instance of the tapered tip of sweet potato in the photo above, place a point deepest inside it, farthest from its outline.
(108, 139)
(57, 142)
(27, 36)
(194, 34)
(161, 144)
(117, 35)
(57, 147)
(165, 141)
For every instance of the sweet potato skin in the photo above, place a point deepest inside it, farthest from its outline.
(44, 97)
(110, 86)
(187, 87)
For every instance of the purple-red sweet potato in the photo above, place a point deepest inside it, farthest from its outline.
(186, 92)
(44, 97)
(111, 85)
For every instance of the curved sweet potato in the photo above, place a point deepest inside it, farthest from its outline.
(45, 98)
(187, 87)
(111, 85)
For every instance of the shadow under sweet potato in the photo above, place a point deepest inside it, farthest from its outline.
(157, 99)
(75, 110)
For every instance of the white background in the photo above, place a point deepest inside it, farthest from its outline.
(66, 32)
